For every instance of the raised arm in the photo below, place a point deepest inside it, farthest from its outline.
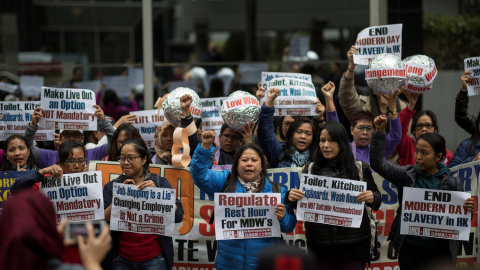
(347, 94)
(395, 134)
(288, 222)
(405, 116)
(186, 120)
(464, 119)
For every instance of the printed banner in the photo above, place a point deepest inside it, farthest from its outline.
(238, 102)
(376, 40)
(75, 196)
(418, 70)
(16, 115)
(473, 84)
(331, 201)
(6, 182)
(150, 210)
(379, 73)
(435, 213)
(65, 108)
(147, 122)
(212, 114)
(10, 88)
(246, 215)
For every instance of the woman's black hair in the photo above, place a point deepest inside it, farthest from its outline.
(473, 141)
(65, 150)
(142, 149)
(231, 181)
(216, 88)
(131, 131)
(345, 159)
(436, 141)
(420, 114)
(280, 126)
(110, 96)
(32, 162)
(289, 148)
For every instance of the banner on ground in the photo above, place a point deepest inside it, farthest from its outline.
(150, 210)
(246, 215)
(376, 40)
(147, 122)
(65, 108)
(75, 196)
(16, 115)
(473, 84)
(435, 213)
(7, 179)
(330, 201)
(212, 114)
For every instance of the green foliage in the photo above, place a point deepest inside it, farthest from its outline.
(449, 40)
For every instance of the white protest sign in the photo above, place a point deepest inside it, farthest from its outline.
(16, 115)
(212, 114)
(75, 196)
(251, 73)
(331, 201)
(473, 84)
(10, 88)
(119, 84)
(65, 108)
(376, 40)
(146, 123)
(150, 210)
(246, 215)
(31, 85)
(299, 46)
(92, 85)
(135, 76)
(435, 213)
(297, 95)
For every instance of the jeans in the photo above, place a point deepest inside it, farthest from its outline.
(157, 263)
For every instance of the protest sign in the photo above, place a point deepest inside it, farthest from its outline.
(150, 210)
(435, 213)
(31, 85)
(299, 46)
(10, 88)
(211, 114)
(376, 40)
(188, 84)
(330, 201)
(473, 84)
(6, 182)
(135, 77)
(239, 102)
(91, 85)
(75, 196)
(119, 84)
(246, 215)
(251, 73)
(147, 122)
(16, 115)
(65, 108)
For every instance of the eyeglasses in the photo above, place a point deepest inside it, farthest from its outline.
(231, 137)
(131, 159)
(363, 128)
(80, 162)
(421, 126)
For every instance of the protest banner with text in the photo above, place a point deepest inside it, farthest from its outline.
(330, 201)
(65, 108)
(376, 40)
(473, 84)
(147, 122)
(212, 114)
(16, 115)
(6, 182)
(75, 196)
(150, 210)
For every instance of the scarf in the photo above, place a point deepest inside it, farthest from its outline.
(428, 181)
(250, 187)
(299, 159)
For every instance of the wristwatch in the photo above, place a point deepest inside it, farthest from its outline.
(394, 111)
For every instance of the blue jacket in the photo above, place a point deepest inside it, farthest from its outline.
(460, 156)
(269, 143)
(239, 253)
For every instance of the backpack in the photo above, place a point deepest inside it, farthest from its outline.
(373, 222)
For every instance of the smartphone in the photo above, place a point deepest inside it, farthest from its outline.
(72, 229)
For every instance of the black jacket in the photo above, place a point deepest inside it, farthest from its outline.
(462, 117)
(404, 176)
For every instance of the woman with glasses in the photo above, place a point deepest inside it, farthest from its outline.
(300, 140)
(123, 133)
(135, 250)
(422, 122)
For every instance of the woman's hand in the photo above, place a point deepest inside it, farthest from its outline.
(273, 93)
(412, 99)
(260, 91)
(380, 123)
(295, 194)
(36, 116)
(247, 132)
(55, 170)
(61, 230)
(469, 205)
(148, 183)
(280, 211)
(126, 119)
(185, 102)
(99, 113)
(366, 196)
(328, 90)
(464, 79)
(94, 249)
(208, 137)
(392, 98)
(20, 169)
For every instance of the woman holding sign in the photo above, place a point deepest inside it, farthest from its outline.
(135, 250)
(414, 252)
(248, 175)
(337, 247)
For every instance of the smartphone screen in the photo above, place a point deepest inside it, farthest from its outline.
(78, 228)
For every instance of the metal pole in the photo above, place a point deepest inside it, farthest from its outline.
(378, 12)
(147, 34)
